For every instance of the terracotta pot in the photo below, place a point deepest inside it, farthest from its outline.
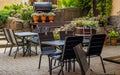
(113, 41)
(105, 42)
(35, 18)
(51, 18)
(43, 19)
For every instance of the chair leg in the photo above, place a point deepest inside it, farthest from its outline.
(69, 65)
(88, 60)
(36, 49)
(73, 65)
(50, 65)
(16, 52)
(54, 62)
(10, 50)
(5, 48)
(102, 64)
(39, 61)
(66, 66)
(61, 70)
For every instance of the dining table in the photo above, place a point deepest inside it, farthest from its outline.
(23, 36)
(60, 43)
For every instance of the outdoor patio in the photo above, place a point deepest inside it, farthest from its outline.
(29, 65)
(83, 18)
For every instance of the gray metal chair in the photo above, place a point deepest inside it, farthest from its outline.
(83, 63)
(47, 50)
(35, 39)
(95, 47)
(15, 42)
(5, 30)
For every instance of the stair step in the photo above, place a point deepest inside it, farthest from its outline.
(3, 43)
(2, 37)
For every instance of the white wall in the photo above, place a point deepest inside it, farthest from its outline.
(115, 8)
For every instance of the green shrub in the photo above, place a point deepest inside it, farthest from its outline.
(3, 17)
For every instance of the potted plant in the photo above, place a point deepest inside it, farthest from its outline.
(56, 36)
(114, 35)
(51, 16)
(86, 25)
(43, 16)
(35, 17)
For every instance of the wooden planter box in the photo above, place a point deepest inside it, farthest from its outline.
(82, 30)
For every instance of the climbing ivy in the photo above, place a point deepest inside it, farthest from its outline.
(83, 4)
(104, 7)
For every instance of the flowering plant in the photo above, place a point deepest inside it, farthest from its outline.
(51, 14)
(113, 34)
(43, 14)
(35, 14)
(87, 23)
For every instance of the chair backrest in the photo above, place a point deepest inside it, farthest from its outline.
(5, 30)
(82, 59)
(44, 29)
(96, 44)
(64, 34)
(41, 29)
(70, 42)
(47, 36)
(12, 37)
(37, 29)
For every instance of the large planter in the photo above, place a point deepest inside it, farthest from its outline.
(82, 30)
(105, 42)
(113, 41)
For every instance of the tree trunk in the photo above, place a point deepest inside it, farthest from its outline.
(95, 11)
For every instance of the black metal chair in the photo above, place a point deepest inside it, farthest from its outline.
(5, 30)
(95, 47)
(47, 49)
(15, 42)
(67, 53)
(35, 40)
(64, 34)
(83, 63)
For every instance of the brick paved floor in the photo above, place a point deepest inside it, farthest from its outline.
(29, 65)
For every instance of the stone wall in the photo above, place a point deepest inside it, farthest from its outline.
(66, 14)
(17, 24)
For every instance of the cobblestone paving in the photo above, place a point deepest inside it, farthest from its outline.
(29, 65)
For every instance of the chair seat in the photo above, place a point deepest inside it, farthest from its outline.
(57, 57)
(51, 52)
(86, 41)
(34, 40)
